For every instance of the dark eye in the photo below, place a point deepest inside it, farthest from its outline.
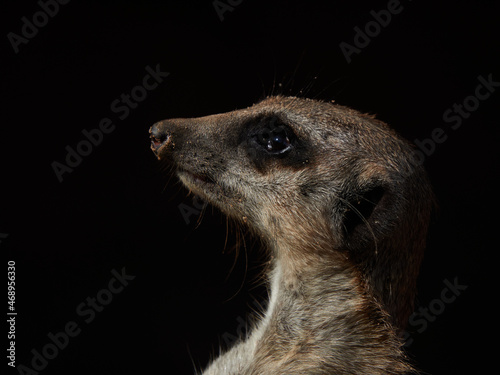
(275, 140)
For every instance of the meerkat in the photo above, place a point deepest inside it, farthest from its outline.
(342, 207)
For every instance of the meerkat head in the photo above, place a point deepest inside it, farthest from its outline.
(315, 181)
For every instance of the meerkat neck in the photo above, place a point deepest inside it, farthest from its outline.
(318, 321)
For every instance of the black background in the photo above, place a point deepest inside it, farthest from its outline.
(118, 209)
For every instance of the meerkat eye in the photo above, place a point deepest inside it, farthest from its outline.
(275, 141)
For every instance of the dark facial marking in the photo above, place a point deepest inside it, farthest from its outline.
(361, 206)
(270, 140)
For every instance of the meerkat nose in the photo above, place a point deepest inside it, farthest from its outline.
(158, 137)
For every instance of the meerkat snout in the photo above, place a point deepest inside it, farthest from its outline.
(158, 138)
(342, 207)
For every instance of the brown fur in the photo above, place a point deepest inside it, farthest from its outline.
(344, 213)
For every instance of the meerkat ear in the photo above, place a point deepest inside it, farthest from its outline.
(359, 211)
